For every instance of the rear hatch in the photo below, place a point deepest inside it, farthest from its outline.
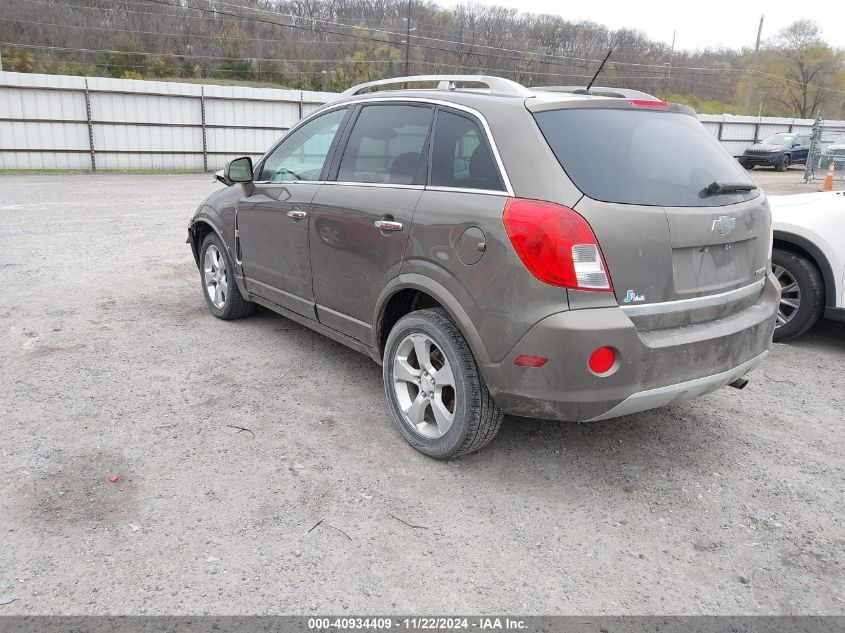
(675, 215)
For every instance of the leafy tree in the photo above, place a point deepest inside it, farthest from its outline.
(21, 62)
(799, 70)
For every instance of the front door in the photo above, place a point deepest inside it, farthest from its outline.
(361, 221)
(273, 220)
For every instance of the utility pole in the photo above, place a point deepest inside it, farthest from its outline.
(669, 68)
(750, 85)
(408, 41)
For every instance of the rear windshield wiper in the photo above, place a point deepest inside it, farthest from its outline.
(715, 188)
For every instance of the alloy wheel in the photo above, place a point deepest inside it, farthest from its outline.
(790, 296)
(215, 278)
(424, 385)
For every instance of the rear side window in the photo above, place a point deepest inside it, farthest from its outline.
(386, 145)
(461, 156)
(642, 157)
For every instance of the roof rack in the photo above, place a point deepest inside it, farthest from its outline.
(496, 85)
(599, 91)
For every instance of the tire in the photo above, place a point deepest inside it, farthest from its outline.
(783, 163)
(746, 164)
(475, 417)
(232, 304)
(790, 267)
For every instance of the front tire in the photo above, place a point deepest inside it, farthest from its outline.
(802, 294)
(218, 281)
(783, 163)
(746, 164)
(434, 389)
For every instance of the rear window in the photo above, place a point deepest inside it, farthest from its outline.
(642, 157)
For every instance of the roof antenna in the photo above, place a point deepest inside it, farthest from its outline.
(593, 80)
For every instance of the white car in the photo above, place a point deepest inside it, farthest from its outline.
(808, 258)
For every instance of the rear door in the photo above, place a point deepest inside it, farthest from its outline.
(273, 220)
(361, 218)
(645, 173)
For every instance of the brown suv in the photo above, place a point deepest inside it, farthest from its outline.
(502, 250)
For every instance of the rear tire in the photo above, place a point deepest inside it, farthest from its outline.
(217, 281)
(784, 163)
(801, 284)
(459, 416)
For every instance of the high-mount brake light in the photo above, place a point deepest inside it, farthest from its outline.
(648, 103)
(556, 245)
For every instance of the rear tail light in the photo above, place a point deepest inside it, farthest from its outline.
(556, 245)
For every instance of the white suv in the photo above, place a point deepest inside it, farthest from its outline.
(808, 259)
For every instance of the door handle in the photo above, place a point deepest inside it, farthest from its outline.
(297, 214)
(388, 225)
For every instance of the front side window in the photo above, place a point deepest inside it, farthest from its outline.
(301, 155)
(386, 145)
(460, 155)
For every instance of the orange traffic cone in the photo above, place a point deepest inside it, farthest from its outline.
(828, 181)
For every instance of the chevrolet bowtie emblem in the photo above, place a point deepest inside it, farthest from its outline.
(723, 225)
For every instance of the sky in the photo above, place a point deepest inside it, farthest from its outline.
(698, 25)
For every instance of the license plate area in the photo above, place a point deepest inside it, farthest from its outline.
(713, 267)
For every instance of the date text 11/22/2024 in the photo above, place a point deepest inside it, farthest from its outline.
(416, 623)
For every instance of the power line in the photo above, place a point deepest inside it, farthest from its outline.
(286, 61)
(211, 37)
(240, 18)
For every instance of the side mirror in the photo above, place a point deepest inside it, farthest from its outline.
(239, 170)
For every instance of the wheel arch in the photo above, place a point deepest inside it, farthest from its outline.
(201, 225)
(405, 293)
(804, 247)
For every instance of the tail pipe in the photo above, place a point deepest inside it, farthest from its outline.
(739, 383)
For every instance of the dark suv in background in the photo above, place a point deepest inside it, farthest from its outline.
(502, 250)
(778, 151)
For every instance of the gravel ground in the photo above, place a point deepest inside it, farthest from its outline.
(113, 367)
(790, 181)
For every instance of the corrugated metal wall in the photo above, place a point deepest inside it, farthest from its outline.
(738, 132)
(64, 122)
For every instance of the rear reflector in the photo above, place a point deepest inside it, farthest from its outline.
(602, 360)
(530, 361)
(648, 103)
(556, 244)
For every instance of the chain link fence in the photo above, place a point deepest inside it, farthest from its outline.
(827, 146)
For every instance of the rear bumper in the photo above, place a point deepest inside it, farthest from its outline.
(654, 368)
(663, 396)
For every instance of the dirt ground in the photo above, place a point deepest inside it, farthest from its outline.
(791, 181)
(113, 367)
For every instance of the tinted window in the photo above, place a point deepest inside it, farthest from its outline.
(386, 145)
(642, 156)
(461, 156)
(301, 155)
